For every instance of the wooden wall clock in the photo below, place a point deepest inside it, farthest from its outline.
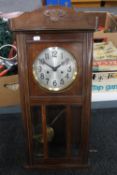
(54, 59)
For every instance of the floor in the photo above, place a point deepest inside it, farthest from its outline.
(102, 153)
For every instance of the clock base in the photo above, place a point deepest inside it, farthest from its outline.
(58, 166)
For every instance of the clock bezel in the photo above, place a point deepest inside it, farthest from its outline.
(58, 90)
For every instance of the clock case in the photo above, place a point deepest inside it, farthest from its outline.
(56, 124)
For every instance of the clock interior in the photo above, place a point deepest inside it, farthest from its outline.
(60, 143)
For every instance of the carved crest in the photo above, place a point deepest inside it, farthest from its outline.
(55, 14)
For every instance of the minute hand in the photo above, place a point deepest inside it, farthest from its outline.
(44, 62)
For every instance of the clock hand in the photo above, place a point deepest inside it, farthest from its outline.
(62, 63)
(54, 68)
(44, 62)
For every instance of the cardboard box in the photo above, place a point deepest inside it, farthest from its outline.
(105, 20)
(110, 3)
(109, 36)
(104, 82)
(108, 22)
(9, 91)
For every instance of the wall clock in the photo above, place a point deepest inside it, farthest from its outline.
(55, 56)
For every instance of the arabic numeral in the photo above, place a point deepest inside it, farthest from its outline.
(54, 83)
(42, 61)
(67, 76)
(54, 53)
(42, 76)
(46, 56)
(69, 69)
(39, 69)
(61, 55)
(47, 80)
(62, 82)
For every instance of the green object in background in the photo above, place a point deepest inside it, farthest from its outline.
(6, 37)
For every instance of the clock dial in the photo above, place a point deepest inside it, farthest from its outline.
(55, 68)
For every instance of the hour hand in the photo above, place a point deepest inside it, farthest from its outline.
(62, 63)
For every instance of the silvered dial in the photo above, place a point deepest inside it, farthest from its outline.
(55, 68)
